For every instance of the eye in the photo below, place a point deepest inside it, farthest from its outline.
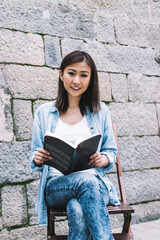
(71, 73)
(84, 75)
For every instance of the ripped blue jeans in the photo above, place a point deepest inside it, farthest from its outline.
(85, 197)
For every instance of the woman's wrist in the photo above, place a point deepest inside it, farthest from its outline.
(106, 160)
(38, 165)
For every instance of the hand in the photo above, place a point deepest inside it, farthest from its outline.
(41, 156)
(98, 160)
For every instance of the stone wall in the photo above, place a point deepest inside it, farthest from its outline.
(123, 38)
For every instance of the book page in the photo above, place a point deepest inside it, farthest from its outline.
(78, 141)
(62, 139)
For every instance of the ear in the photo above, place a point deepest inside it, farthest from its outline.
(61, 75)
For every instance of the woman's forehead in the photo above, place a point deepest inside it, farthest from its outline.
(79, 66)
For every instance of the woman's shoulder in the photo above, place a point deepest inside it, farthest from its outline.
(104, 107)
(47, 106)
(102, 111)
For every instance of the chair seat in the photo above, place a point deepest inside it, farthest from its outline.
(117, 236)
(123, 208)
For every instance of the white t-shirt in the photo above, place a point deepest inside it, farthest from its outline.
(71, 133)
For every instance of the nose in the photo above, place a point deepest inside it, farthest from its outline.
(76, 79)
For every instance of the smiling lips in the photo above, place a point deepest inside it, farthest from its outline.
(75, 88)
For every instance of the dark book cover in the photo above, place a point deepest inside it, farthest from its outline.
(67, 157)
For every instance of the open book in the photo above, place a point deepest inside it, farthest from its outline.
(67, 157)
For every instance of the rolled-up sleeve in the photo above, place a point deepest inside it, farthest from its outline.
(37, 141)
(109, 147)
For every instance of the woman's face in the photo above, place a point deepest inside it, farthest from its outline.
(76, 78)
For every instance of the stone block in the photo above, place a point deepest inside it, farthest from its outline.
(119, 87)
(23, 119)
(28, 82)
(21, 47)
(120, 6)
(14, 209)
(133, 119)
(61, 227)
(155, 10)
(123, 59)
(115, 5)
(104, 27)
(143, 88)
(38, 103)
(1, 225)
(14, 162)
(29, 233)
(104, 87)
(4, 235)
(0, 204)
(6, 121)
(32, 193)
(141, 186)
(43, 17)
(52, 51)
(69, 45)
(141, 10)
(139, 152)
(137, 33)
(116, 222)
(146, 212)
(158, 111)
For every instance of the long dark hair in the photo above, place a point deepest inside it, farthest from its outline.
(90, 97)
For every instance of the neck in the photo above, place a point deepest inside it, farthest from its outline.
(73, 103)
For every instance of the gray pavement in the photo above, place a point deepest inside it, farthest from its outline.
(145, 231)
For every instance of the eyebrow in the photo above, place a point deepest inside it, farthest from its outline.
(70, 69)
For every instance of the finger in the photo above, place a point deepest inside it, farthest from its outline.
(95, 155)
(97, 164)
(95, 161)
(99, 157)
(41, 150)
(42, 158)
(38, 154)
(39, 158)
(37, 162)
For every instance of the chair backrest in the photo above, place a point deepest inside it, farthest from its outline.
(119, 170)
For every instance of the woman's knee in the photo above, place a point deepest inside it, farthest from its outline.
(74, 209)
(90, 182)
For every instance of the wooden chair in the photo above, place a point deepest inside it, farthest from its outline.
(124, 208)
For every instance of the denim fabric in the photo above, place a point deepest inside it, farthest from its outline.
(86, 197)
(45, 119)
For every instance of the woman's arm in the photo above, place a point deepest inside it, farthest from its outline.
(99, 160)
(37, 155)
(108, 151)
(41, 155)
(109, 147)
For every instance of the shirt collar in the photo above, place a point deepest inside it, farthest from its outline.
(53, 108)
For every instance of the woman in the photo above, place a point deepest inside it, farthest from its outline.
(76, 113)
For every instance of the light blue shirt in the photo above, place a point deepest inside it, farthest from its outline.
(46, 119)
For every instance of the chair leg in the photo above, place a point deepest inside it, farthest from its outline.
(127, 222)
(51, 225)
